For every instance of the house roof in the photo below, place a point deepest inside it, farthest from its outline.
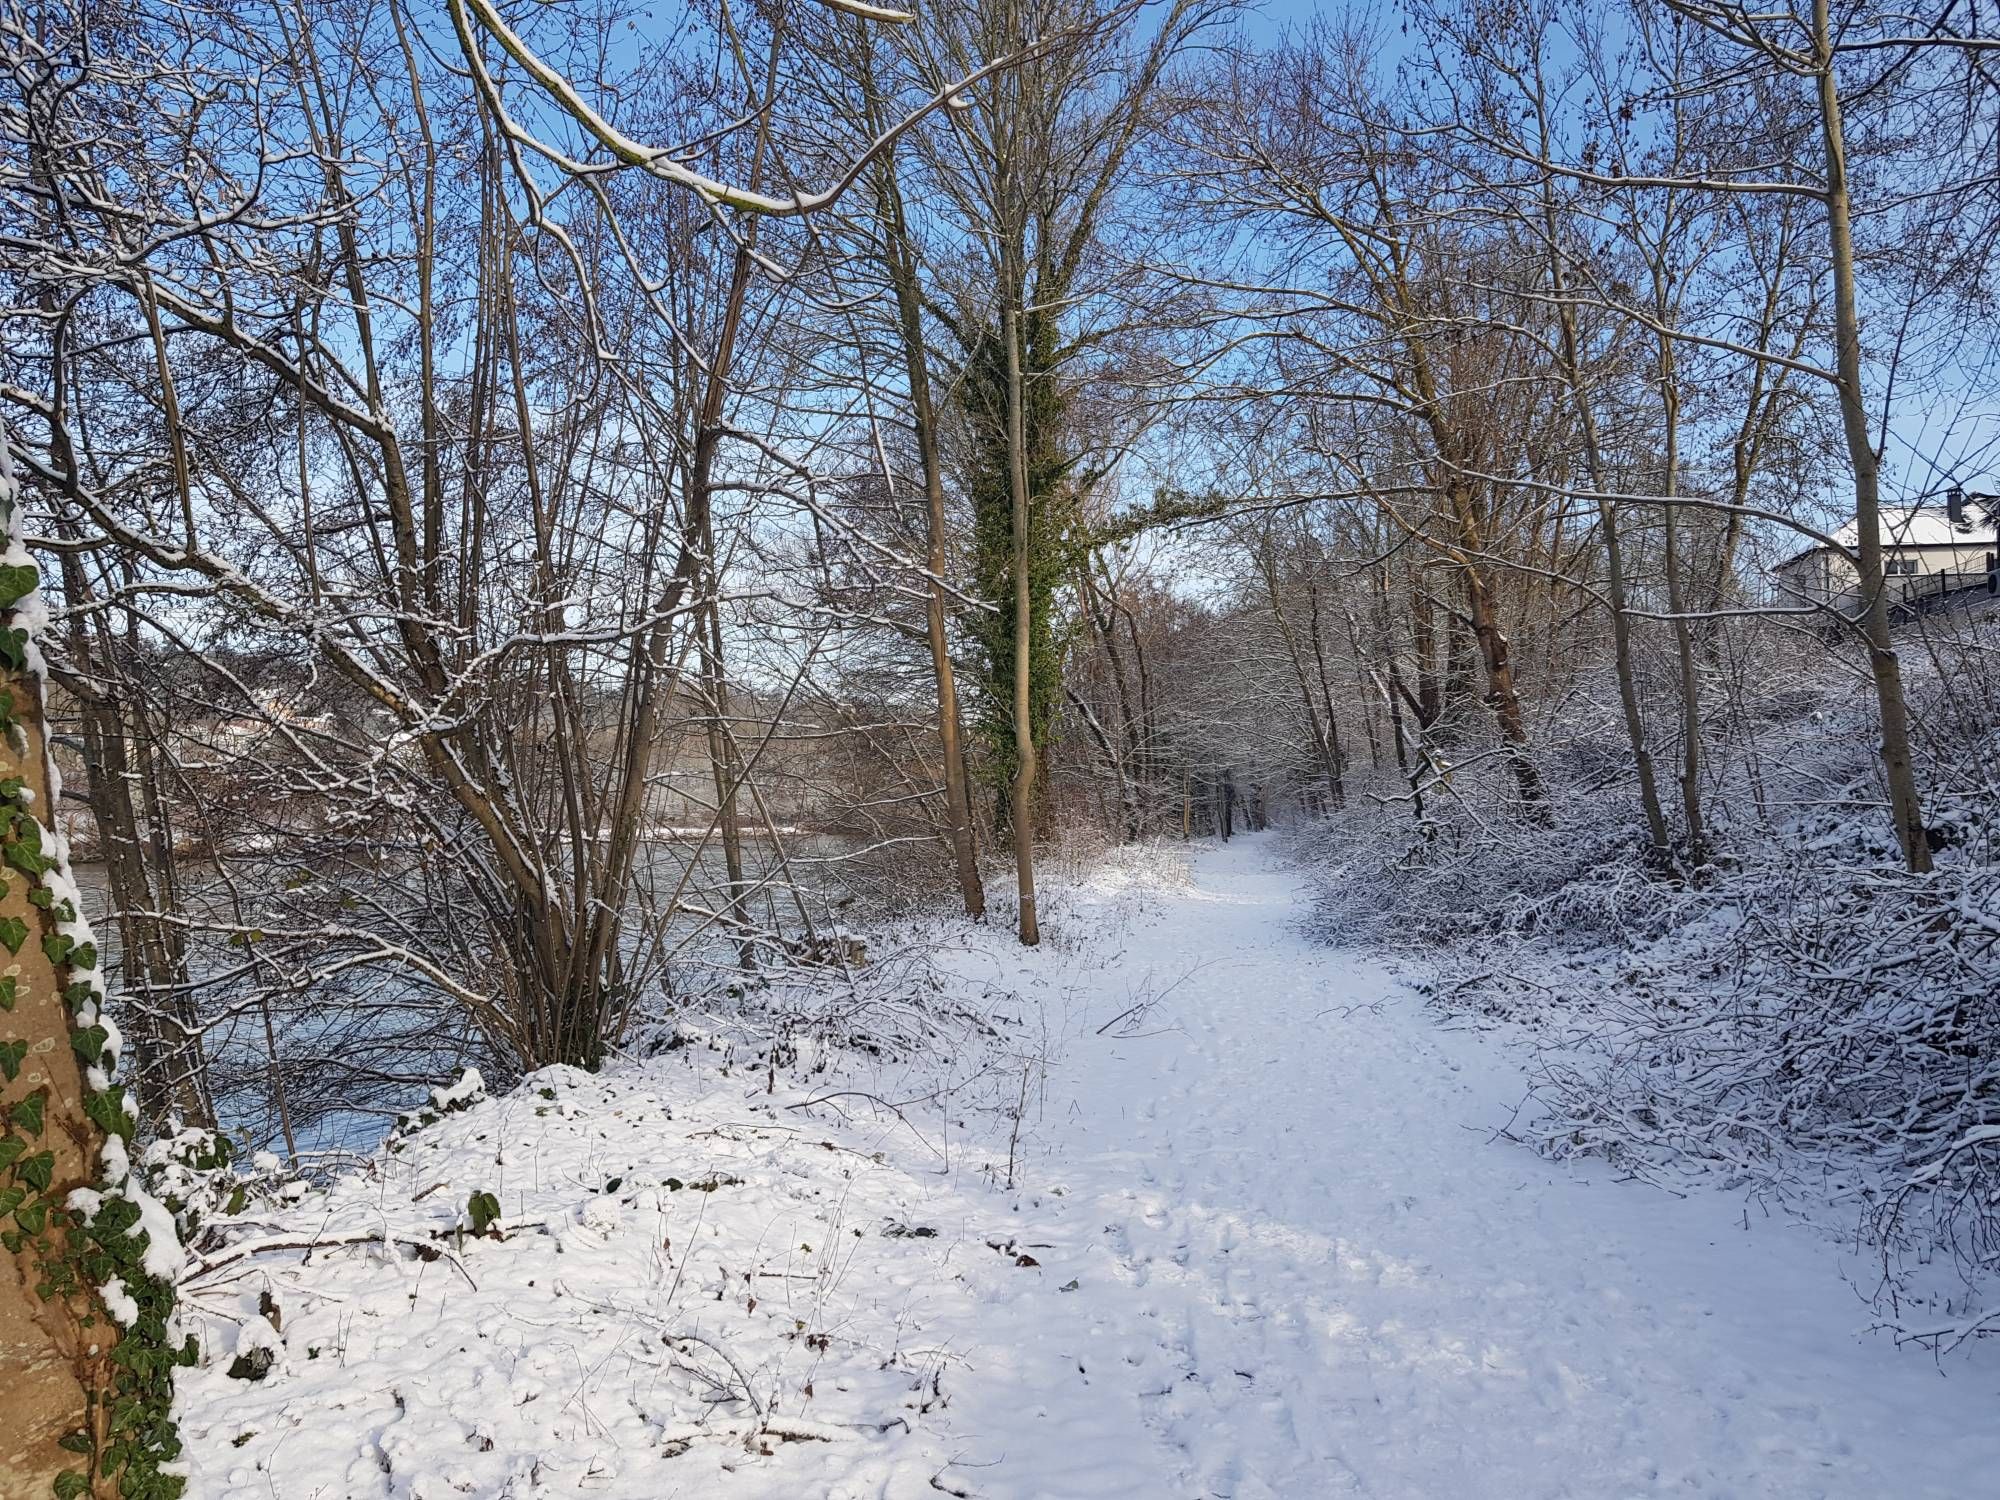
(1908, 526)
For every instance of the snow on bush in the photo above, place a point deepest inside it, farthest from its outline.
(469, 1089)
(1800, 1018)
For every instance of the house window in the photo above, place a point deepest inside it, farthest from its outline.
(1903, 567)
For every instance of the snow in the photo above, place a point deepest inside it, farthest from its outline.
(1265, 1241)
(1911, 526)
(118, 1302)
(163, 1256)
(114, 1046)
(470, 1086)
(257, 1335)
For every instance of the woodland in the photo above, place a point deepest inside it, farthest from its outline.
(540, 535)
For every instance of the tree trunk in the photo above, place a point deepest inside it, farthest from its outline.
(1423, 636)
(1684, 649)
(1021, 813)
(41, 1342)
(1324, 743)
(722, 761)
(1905, 807)
(1126, 762)
(1334, 750)
(1614, 555)
(910, 329)
(171, 1071)
(1502, 695)
(69, 1402)
(166, 1043)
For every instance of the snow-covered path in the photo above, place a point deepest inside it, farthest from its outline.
(1305, 1268)
(1262, 1244)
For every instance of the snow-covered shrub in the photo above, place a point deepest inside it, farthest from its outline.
(444, 1099)
(1091, 890)
(199, 1175)
(1799, 1017)
(842, 995)
(1827, 1020)
(1462, 870)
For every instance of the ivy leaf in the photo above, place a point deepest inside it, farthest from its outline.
(106, 1109)
(11, 1053)
(13, 933)
(24, 850)
(70, 1484)
(38, 1171)
(11, 1147)
(113, 1217)
(88, 1042)
(10, 985)
(483, 1208)
(28, 1114)
(13, 651)
(17, 581)
(56, 946)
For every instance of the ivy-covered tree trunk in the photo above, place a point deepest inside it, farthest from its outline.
(1049, 543)
(86, 1278)
(39, 1340)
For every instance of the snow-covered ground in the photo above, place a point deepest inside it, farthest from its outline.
(1263, 1243)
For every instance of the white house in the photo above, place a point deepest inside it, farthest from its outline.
(1923, 554)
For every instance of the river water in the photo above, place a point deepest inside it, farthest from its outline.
(338, 1058)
